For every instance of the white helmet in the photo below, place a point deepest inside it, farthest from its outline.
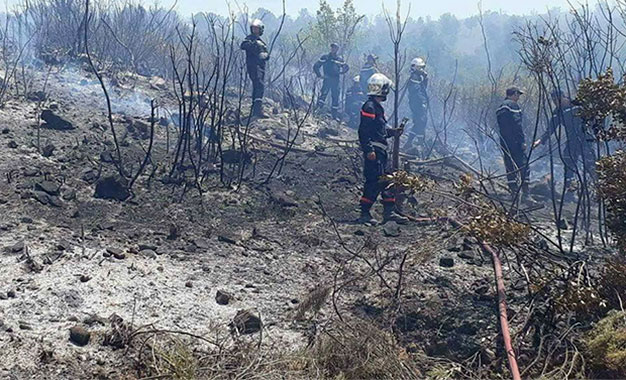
(418, 63)
(259, 24)
(357, 79)
(379, 85)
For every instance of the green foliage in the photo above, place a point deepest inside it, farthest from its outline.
(338, 26)
(606, 346)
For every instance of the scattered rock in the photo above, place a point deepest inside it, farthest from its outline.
(84, 278)
(48, 150)
(232, 156)
(227, 237)
(149, 253)
(113, 188)
(69, 195)
(90, 176)
(31, 172)
(391, 229)
(245, 322)
(106, 157)
(446, 262)
(325, 132)
(201, 243)
(73, 299)
(223, 297)
(189, 284)
(147, 246)
(283, 199)
(41, 197)
(54, 121)
(12, 144)
(11, 294)
(79, 336)
(359, 233)
(37, 96)
(49, 187)
(563, 224)
(18, 247)
(5, 131)
(466, 255)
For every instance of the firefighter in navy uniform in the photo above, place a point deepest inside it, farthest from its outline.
(333, 66)
(368, 69)
(579, 147)
(256, 58)
(354, 100)
(513, 142)
(418, 102)
(373, 135)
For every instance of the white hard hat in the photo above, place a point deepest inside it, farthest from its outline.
(357, 79)
(379, 85)
(257, 23)
(418, 62)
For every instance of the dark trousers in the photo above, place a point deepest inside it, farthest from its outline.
(420, 119)
(374, 186)
(579, 158)
(257, 76)
(330, 85)
(516, 164)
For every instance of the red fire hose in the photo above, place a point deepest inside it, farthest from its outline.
(497, 267)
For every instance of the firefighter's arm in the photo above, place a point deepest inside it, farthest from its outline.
(368, 119)
(318, 65)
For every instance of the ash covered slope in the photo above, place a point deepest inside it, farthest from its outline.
(174, 260)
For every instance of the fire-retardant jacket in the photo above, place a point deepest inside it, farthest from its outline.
(333, 66)
(509, 116)
(373, 132)
(256, 51)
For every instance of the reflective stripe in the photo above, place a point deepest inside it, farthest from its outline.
(366, 114)
(258, 100)
(335, 107)
(389, 200)
(366, 201)
(508, 109)
(377, 144)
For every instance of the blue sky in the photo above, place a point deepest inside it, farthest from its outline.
(433, 8)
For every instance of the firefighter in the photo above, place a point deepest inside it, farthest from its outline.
(368, 69)
(513, 142)
(418, 101)
(257, 56)
(578, 148)
(373, 135)
(354, 100)
(333, 66)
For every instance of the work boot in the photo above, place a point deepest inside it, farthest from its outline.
(366, 216)
(390, 215)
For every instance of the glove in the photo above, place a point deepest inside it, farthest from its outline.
(264, 56)
(371, 156)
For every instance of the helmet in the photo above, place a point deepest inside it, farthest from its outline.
(379, 85)
(418, 63)
(371, 58)
(259, 24)
(357, 79)
(334, 45)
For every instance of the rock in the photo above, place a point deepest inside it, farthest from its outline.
(48, 187)
(283, 199)
(18, 247)
(245, 322)
(116, 252)
(229, 238)
(37, 96)
(24, 325)
(5, 131)
(90, 176)
(325, 132)
(173, 232)
(31, 172)
(106, 157)
(84, 278)
(79, 336)
(201, 243)
(466, 255)
(148, 253)
(223, 297)
(73, 299)
(48, 150)
(41, 197)
(359, 233)
(54, 121)
(189, 284)
(11, 294)
(391, 229)
(113, 188)
(446, 262)
(563, 224)
(147, 246)
(12, 144)
(69, 195)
